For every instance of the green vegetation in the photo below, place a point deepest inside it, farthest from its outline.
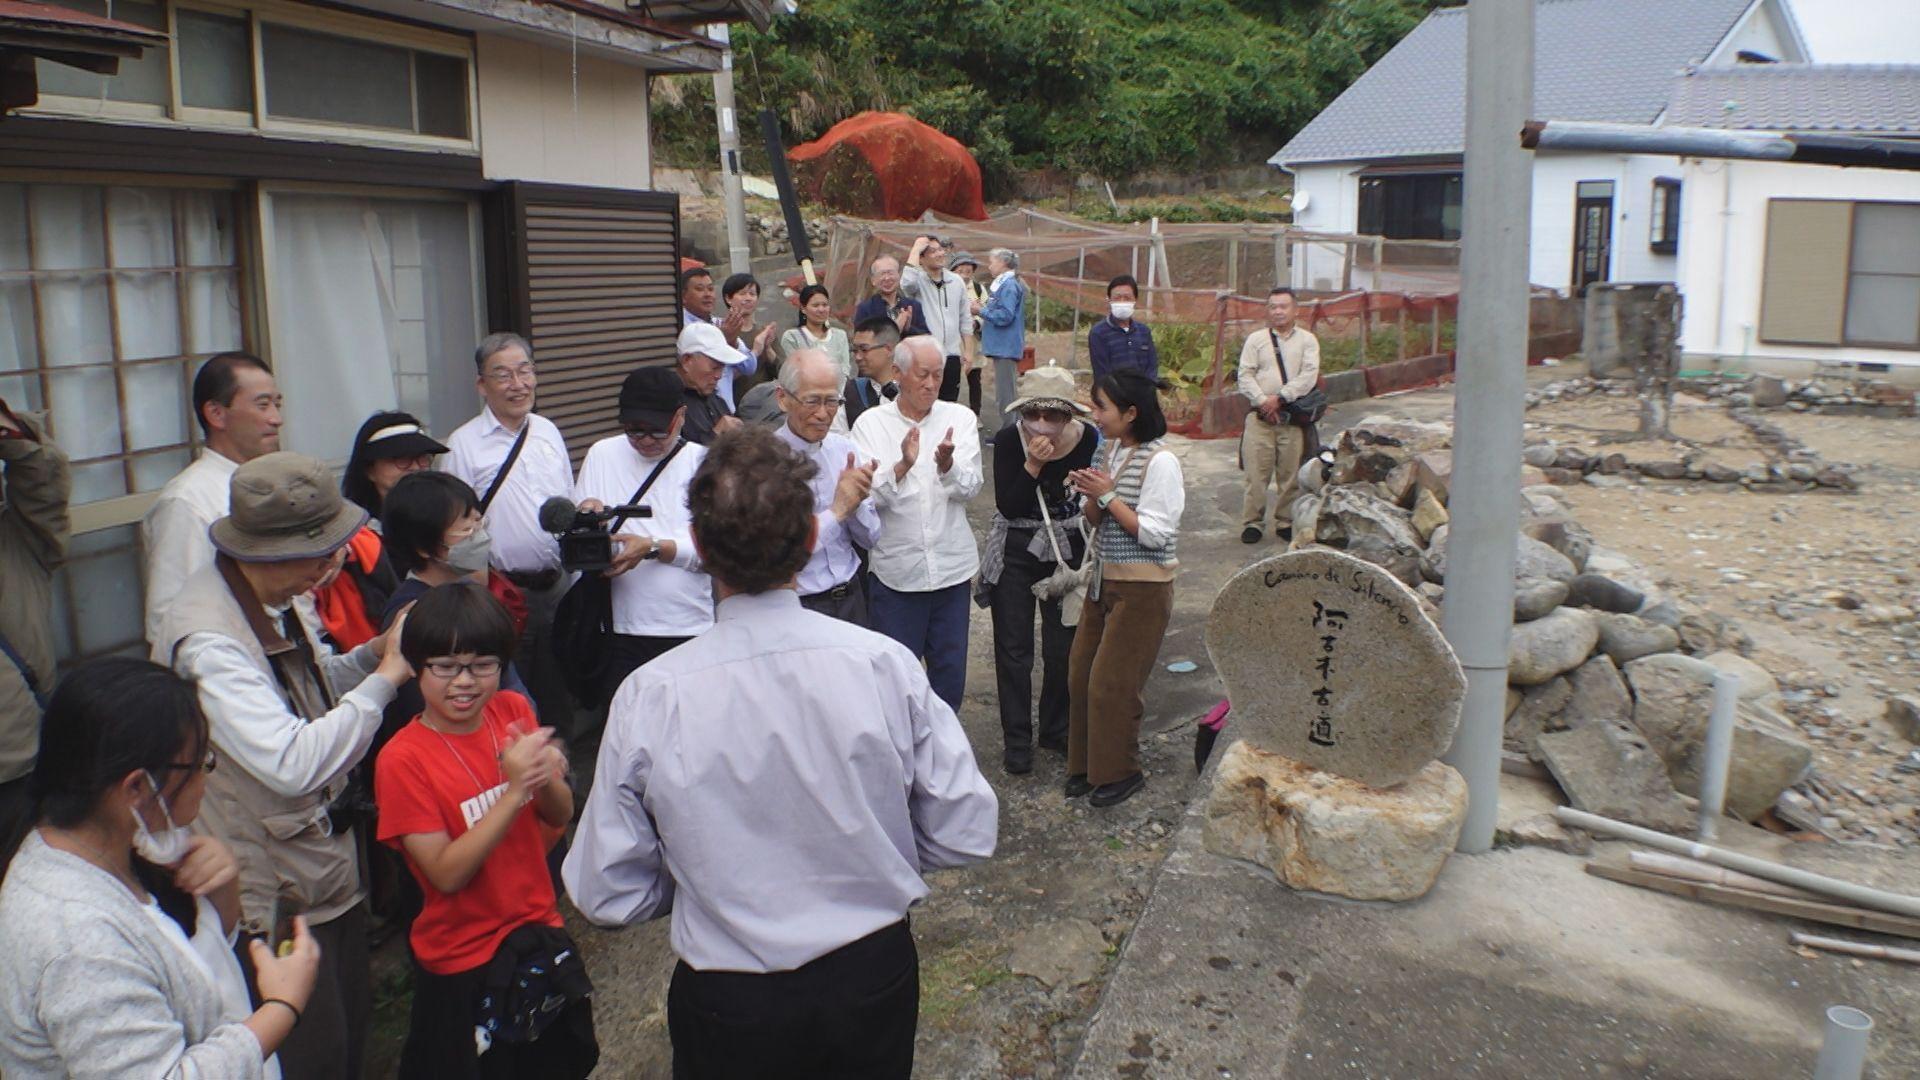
(1110, 88)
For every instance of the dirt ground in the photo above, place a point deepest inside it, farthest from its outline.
(1016, 952)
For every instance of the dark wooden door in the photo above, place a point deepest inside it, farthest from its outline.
(1592, 233)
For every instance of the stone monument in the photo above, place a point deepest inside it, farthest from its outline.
(1344, 696)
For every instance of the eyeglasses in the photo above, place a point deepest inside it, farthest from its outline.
(205, 765)
(509, 376)
(863, 349)
(484, 668)
(636, 432)
(813, 403)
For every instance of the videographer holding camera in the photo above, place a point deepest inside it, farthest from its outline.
(661, 596)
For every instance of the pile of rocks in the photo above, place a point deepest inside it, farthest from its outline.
(1830, 394)
(1344, 695)
(772, 232)
(1610, 681)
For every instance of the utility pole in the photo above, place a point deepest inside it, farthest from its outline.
(739, 254)
(1489, 399)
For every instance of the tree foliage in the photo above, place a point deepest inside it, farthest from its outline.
(1107, 87)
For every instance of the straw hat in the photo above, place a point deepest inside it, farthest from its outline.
(285, 506)
(1047, 387)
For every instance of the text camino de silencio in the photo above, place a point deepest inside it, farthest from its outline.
(1362, 586)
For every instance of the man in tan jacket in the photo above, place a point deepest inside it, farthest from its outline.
(1279, 363)
(34, 529)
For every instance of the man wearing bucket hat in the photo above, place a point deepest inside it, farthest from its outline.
(704, 356)
(1034, 537)
(288, 720)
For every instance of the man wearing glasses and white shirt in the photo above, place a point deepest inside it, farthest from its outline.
(509, 438)
(830, 582)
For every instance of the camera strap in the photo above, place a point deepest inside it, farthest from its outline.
(513, 455)
(641, 491)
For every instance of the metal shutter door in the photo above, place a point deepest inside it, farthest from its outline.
(595, 288)
(1803, 285)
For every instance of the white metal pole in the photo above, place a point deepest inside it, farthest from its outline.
(739, 253)
(1490, 392)
(1717, 753)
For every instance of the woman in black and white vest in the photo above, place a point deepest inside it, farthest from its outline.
(1133, 500)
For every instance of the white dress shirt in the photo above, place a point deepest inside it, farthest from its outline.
(780, 783)
(251, 723)
(834, 560)
(475, 452)
(655, 598)
(174, 532)
(925, 541)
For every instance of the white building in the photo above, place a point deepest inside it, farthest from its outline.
(1384, 158)
(355, 191)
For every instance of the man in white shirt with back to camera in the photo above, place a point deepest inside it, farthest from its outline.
(780, 784)
(526, 554)
(661, 597)
(809, 393)
(927, 465)
(237, 404)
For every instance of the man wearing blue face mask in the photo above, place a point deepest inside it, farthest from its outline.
(288, 721)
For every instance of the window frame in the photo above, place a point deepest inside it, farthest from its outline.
(1663, 228)
(1846, 296)
(297, 16)
(1444, 175)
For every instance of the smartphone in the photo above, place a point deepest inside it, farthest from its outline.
(280, 932)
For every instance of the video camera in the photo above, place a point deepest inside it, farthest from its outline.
(586, 540)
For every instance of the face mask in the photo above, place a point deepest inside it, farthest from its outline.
(169, 845)
(1037, 427)
(1122, 309)
(469, 556)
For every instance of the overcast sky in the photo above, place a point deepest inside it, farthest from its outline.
(1860, 31)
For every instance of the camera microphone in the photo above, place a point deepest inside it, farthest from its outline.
(557, 514)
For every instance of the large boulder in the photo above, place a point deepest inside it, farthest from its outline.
(1428, 514)
(1349, 516)
(1532, 559)
(1383, 430)
(1534, 598)
(1756, 682)
(1603, 594)
(1626, 638)
(1319, 831)
(1433, 472)
(1599, 695)
(1555, 645)
(1610, 770)
(1564, 535)
(1540, 711)
(1369, 465)
(1672, 697)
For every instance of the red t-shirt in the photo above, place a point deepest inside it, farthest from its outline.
(427, 782)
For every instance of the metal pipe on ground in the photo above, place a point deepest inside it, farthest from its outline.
(1717, 754)
(1843, 1052)
(1863, 895)
(1489, 394)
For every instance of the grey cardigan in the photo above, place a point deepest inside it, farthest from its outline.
(89, 988)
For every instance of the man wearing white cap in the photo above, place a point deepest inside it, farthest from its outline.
(704, 357)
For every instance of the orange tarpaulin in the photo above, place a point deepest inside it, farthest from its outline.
(888, 165)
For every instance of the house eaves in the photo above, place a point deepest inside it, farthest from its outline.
(1603, 60)
(592, 29)
(1852, 99)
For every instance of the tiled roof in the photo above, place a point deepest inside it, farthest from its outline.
(53, 18)
(1862, 99)
(1607, 60)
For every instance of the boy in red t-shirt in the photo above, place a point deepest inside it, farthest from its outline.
(473, 794)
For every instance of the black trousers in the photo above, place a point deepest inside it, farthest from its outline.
(440, 1042)
(1013, 604)
(627, 653)
(950, 381)
(330, 1041)
(850, 605)
(850, 1015)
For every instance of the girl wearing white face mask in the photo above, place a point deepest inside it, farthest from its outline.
(116, 924)
(1032, 457)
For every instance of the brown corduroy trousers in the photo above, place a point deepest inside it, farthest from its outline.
(1113, 654)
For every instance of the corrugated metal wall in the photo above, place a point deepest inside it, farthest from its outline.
(593, 284)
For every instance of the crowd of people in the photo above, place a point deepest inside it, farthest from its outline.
(363, 689)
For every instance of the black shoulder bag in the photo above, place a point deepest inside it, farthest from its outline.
(1307, 409)
(583, 622)
(513, 455)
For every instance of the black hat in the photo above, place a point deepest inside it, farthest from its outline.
(650, 397)
(403, 437)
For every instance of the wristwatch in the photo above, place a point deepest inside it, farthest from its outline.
(653, 552)
(1103, 500)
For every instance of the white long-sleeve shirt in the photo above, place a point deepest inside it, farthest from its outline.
(475, 452)
(251, 723)
(780, 783)
(655, 598)
(174, 532)
(834, 561)
(925, 540)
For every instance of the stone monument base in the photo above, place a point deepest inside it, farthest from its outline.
(1323, 832)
